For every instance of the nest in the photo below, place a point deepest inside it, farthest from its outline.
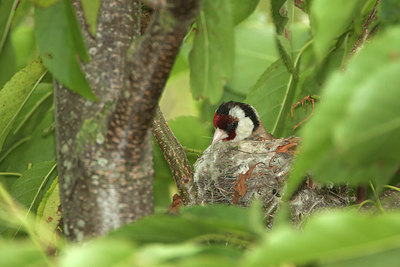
(239, 172)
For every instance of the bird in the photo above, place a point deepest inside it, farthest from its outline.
(236, 121)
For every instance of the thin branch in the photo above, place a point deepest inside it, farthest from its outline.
(364, 34)
(176, 158)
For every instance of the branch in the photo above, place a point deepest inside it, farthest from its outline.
(150, 64)
(176, 158)
(364, 34)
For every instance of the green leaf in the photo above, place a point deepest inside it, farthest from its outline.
(110, 252)
(7, 9)
(254, 50)
(34, 143)
(15, 93)
(330, 236)
(389, 12)
(211, 59)
(330, 19)
(158, 253)
(163, 181)
(197, 136)
(188, 254)
(24, 44)
(101, 252)
(279, 15)
(44, 3)
(272, 96)
(49, 210)
(58, 24)
(20, 253)
(28, 190)
(242, 9)
(7, 58)
(43, 92)
(194, 223)
(353, 135)
(285, 51)
(91, 10)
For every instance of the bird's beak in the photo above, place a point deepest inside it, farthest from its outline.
(218, 135)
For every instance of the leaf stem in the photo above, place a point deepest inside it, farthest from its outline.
(11, 174)
(378, 203)
(393, 187)
(192, 150)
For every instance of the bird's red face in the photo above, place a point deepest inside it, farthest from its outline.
(236, 121)
(227, 124)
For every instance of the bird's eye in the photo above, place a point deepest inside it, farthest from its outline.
(232, 127)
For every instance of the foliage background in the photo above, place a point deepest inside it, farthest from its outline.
(270, 54)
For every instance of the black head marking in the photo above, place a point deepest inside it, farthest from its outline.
(249, 111)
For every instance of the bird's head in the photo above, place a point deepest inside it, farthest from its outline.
(235, 121)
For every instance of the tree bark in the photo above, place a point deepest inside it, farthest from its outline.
(104, 148)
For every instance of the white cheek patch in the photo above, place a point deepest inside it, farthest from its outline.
(245, 125)
(237, 113)
(244, 129)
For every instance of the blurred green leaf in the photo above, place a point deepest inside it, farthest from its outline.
(242, 9)
(389, 12)
(8, 59)
(58, 24)
(44, 3)
(188, 254)
(15, 93)
(330, 19)
(272, 96)
(101, 252)
(28, 189)
(254, 50)
(331, 236)
(197, 136)
(197, 223)
(211, 59)
(387, 257)
(7, 9)
(177, 99)
(110, 252)
(91, 10)
(20, 253)
(22, 12)
(303, 5)
(353, 136)
(162, 183)
(23, 41)
(279, 15)
(181, 62)
(157, 253)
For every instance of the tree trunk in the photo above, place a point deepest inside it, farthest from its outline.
(100, 192)
(104, 148)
